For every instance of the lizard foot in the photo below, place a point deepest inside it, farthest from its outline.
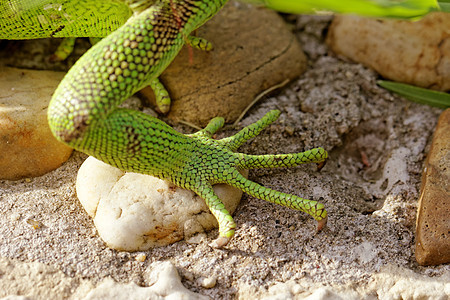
(214, 161)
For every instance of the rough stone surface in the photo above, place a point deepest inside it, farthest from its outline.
(248, 58)
(27, 147)
(335, 104)
(392, 282)
(433, 219)
(136, 212)
(20, 281)
(34, 280)
(417, 53)
(165, 284)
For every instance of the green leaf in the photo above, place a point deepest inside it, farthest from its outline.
(417, 94)
(372, 8)
(444, 5)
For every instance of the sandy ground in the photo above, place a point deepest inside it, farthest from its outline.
(370, 186)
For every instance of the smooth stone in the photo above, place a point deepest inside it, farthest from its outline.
(417, 53)
(433, 218)
(248, 58)
(208, 282)
(137, 212)
(28, 148)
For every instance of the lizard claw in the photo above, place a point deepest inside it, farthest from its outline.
(321, 165)
(220, 242)
(321, 224)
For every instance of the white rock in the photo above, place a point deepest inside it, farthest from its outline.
(164, 280)
(394, 282)
(166, 284)
(307, 289)
(33, 280)
(208, 282)
(137, 212)
(324, 294)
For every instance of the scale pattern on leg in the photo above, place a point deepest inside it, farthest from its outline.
(31, 19)
(83, 113)
(313, 208)
(316, 155)
(227, 225)
(214, 162)
(122, 63)
(235, 141)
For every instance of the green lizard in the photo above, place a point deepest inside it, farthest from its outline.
(142, 37)
(83, 112)
(146, 36)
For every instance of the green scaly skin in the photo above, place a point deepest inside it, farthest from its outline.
(31, 19)
(83, 113)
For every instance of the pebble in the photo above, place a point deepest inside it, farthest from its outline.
(136, 212)
(28, 148)
(433, 218)
(141, 257)
(417, 53)
(208, 282)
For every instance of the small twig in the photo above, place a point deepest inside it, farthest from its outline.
(264, 93)
(187, 123)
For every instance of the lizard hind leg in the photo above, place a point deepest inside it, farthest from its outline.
(94, 40)
(65, 48)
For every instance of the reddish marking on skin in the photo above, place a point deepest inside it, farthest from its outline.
(174, 11)
(178, 19)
